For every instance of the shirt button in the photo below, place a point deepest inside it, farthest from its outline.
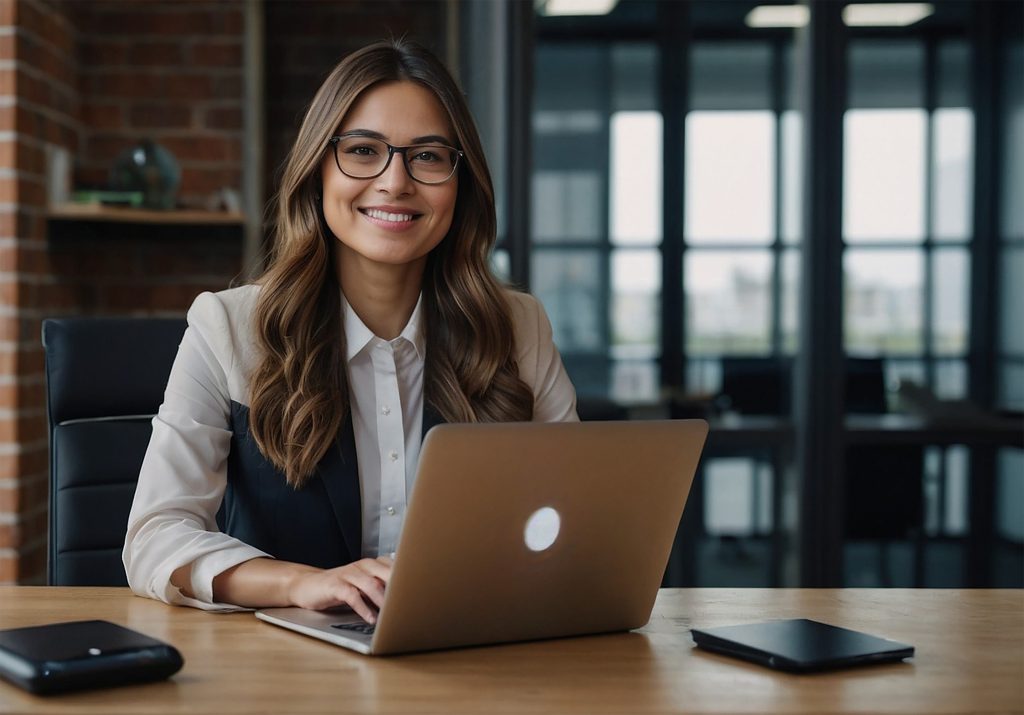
(385, 410)
(393, 456)
(391, 511)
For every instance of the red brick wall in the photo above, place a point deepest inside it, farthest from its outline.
(169, 71)
(39, 105)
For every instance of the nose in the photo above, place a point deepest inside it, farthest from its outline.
(396, 180)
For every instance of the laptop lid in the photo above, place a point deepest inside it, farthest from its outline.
(521, 531)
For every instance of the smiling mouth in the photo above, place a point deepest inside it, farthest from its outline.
(388, 216)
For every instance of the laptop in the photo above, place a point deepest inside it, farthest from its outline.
(524, 531)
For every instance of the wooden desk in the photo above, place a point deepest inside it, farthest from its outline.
(970, 659)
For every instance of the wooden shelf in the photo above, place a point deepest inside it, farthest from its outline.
(98, 212)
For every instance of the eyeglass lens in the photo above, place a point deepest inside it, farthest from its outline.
(364, 158)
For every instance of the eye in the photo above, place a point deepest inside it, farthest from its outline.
(360, 150)
(427, 156)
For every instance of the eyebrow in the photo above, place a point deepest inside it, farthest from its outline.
(428, 139)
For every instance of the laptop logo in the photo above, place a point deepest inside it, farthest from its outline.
(542, 529)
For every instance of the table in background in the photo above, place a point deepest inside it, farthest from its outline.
(970, 659)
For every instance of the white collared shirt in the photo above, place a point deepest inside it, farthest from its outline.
(173, 521)
(385, 385)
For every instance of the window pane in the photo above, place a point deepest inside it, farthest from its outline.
(634, 381)
(1011, 385)
(1010, 495)
(1013, 143)
(636, 167)
(882, 301)
(957, 467)
(567, 206)
(568, 283)
(952, 180)
(730, 176)
(728, 299)
(950, 300)
(730, 75)
(886, 73)
(789, 313)
(883, 174)
(729, 496)
(898, 371)
(791, 156)
(636, 303)
(950, 379)
(1011, 338)
(703, 375)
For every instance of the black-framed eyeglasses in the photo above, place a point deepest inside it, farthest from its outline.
(362, 157)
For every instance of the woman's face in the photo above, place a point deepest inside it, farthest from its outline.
(391, 219)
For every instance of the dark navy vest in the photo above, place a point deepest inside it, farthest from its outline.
(320, 524)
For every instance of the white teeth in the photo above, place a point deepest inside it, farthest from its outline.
(385, 216)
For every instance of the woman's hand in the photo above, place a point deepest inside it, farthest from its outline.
(359, 585)
(265, 583)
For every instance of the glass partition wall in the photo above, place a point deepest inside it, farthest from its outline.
(668, 155)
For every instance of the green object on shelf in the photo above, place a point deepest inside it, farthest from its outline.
(131, 199)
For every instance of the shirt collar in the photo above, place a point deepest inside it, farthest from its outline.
(358, 336)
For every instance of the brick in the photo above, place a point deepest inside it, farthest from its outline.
(7, 47)
(229, 87)
(124, 84)
(31, 192)
(160, 116)
(189, 87)
(224, 118)
(108, 51)
(157, 54)
(8, 190)
(206, 181)
(9, 496)
(10, 536)
(102, 116)
(31, 159)
(8, 564)
(32, 565)
(222, 54)
(7, 80)
(198, 148)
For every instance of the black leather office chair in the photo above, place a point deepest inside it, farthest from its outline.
(105, 380)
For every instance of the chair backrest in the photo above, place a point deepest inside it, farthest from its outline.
(756, 385)
(105, 380)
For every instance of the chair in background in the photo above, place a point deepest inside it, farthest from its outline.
(756, 385)
(105, 380)
(884, 492)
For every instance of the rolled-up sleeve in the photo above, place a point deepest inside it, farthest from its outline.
(184, 474)
(540, 365)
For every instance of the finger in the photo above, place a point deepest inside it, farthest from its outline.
(379, 568)
(368, 585)
(353, 598)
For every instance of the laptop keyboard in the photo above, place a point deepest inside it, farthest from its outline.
(364, 628)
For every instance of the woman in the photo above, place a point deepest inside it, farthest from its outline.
(283, 455)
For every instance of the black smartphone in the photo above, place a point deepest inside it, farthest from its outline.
(61, 657)
(800, 645)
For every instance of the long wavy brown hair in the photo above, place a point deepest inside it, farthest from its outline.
(299, 395)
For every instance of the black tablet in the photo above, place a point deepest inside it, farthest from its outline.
(60, 657)
(800, 645)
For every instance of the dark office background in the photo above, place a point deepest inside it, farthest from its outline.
(811, 234)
